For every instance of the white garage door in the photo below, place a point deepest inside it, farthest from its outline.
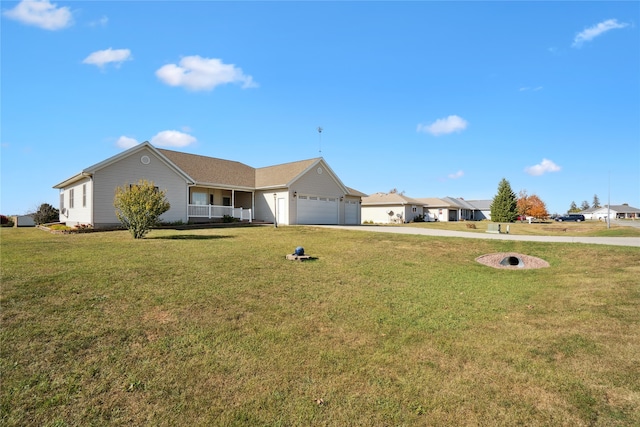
(317, 210)
(351, 212)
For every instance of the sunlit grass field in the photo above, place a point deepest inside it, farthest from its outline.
(215, 327)
(589, 228)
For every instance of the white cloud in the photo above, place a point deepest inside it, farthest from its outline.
(102, 22)
(102, 57)
(41, 14)
(197, 73)
(126, 142)
(527, 88)
(543, 167)
(172, 138)
(444, 126)
(456, 175)
(592, 32)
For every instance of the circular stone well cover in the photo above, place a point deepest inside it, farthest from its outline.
(511, 260)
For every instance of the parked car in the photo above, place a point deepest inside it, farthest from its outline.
(571, 217)
(521, 218)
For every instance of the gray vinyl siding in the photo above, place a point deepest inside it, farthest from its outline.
(264, 204)
(130, 170)
(322, 184)
(314, 184)
(78, 214)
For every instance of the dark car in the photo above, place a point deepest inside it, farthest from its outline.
(571, 217)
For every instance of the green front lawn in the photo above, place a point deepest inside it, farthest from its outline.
(215, 327)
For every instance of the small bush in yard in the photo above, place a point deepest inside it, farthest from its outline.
(139, 206)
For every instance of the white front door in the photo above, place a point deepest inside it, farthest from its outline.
(282, 213)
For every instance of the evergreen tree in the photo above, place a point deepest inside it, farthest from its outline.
(596, 202)
(573, 207)
(584, 206)
(504, 204)
(139, 206)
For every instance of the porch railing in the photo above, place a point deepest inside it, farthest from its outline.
(214, 211)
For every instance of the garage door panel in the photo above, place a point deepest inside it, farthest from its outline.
(317, 210)
(351, 212)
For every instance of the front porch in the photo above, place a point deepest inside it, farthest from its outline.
(218, 212)
(206, 204)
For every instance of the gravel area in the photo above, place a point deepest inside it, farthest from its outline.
(512, 261)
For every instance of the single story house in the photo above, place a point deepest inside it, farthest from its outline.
(394, 207)
(623, 211)
(204, 189)
(456, 209)
(386, 208)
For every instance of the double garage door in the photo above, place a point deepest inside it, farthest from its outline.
(317, 210)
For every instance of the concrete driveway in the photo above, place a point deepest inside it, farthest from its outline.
(614, 241)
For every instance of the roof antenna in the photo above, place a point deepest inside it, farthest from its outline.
(320, 140)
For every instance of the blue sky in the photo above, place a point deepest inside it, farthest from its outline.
(431, 98)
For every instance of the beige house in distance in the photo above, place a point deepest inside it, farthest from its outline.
(206, 189)
(389, 208)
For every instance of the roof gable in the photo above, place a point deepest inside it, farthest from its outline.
(87, 172)
(282, 175)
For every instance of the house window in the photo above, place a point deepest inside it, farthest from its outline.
(71, 199)
(199, 198)
(62, 202)
(84, 195)
(414, 209)
(211, 199)
(226, 201)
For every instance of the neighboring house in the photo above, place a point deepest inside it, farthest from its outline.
(588, 213)
(623, 211)
(456, 209)
(385, 208)
(202, 189)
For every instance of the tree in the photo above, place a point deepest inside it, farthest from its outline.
(503, 206)
(584, 206)
(573, 207)
(46, 214)
(139, 206)
(596, 202)
(523, 205)
(531, 206)
(537, 208)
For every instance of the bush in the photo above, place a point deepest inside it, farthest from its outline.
(229, 218)
(46, 214)
(139, 206)
(418, 218)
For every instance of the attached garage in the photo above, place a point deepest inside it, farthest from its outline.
(351, 212)
(317, 210)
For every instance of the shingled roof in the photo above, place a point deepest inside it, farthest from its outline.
(212, 171)
(280, 175)
(389, 199)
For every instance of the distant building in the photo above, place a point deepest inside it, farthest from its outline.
(623, 211)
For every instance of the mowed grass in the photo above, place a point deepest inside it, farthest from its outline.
(215, 327)
(590, 228)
